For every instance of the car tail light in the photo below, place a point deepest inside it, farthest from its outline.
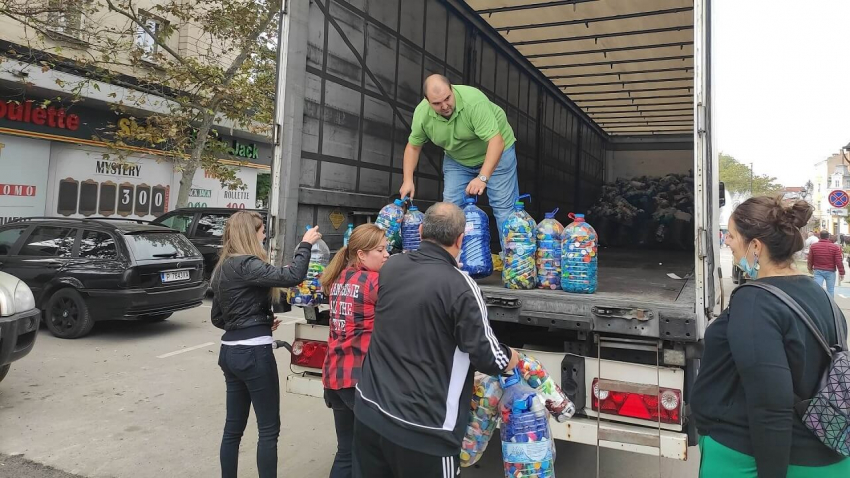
(668, 403)
(309, 353)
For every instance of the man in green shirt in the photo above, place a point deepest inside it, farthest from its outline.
(478, 144)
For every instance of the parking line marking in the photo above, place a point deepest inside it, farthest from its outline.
(188, 349)
(842, 296)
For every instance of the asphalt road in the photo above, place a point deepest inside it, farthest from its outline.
(147, 401)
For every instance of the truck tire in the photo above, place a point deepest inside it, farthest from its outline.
(4, 370)
(155, 318)
(67, 315)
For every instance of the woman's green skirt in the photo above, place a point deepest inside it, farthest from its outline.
(718, 461)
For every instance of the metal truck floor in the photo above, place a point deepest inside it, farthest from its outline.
(633, 275)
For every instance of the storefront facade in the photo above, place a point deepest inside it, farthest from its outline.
(52, 164)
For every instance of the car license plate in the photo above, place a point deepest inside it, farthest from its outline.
(174, 276)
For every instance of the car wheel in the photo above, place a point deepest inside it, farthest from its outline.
(67, 315)
(155, 318)
(4, 370)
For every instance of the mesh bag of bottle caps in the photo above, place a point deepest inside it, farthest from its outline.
(486, 395)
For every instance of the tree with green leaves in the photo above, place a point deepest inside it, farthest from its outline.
(195, 64)
(739, 178)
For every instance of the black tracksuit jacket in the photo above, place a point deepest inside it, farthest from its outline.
(431, 333)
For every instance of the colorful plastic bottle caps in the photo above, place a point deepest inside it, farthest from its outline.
(579, 250)
(557, 402)
(410, 223)
(483, 419)
(550, 233)
(389, 219)
(309, 292)
(475, 257)
(519, 232)
(527, 445)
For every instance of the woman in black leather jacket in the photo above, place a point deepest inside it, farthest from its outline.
(245, 285)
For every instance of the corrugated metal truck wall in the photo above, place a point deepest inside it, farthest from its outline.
(355, 130)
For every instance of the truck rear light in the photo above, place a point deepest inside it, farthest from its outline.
(309, 353)
(636, 405)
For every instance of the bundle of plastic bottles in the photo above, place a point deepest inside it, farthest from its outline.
(389, 219)
(556, 401)
(528, 450)
(550, 232)
(483, 419)
(579, 257)
(410, 223)
(519, 231)
(486, 395)
(309, 292)
(475, 256)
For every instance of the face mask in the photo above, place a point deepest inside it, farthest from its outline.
(750, 270)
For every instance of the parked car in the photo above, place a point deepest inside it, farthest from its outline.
(204, 227)
(18, 321)
(85, 270)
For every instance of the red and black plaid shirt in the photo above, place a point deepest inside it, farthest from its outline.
(352, 299)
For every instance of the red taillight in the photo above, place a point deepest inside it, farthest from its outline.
(636, 405)
(309, 353)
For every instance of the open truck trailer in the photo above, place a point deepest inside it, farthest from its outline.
(594, 90)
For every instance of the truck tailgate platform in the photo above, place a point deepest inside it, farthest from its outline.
(636, 296)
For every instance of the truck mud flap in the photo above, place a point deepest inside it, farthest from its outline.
(573, 380)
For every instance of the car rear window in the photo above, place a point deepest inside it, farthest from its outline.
(148, 246)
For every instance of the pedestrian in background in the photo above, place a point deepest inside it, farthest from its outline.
(825, 257)
(351, 284)
(808, 244)
(431, 333)
(759, 356)
(245, 285)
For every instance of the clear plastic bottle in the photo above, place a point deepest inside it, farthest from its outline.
(475, 256)
(309, 292)
(519, 230)
(410, 238)
(347, 236)
(389, 219)
(550, 232)
(579, 257)
(527, 446)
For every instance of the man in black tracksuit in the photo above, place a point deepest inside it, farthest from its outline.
(431, 332)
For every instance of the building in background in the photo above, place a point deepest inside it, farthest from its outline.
(827, 176)
(52, 157)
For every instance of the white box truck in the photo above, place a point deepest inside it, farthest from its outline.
(595, 90)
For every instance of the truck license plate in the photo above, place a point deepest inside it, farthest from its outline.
(174, 276)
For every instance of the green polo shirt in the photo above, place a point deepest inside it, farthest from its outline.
(464, 136)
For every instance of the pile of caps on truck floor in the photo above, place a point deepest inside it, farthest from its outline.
(646, 211)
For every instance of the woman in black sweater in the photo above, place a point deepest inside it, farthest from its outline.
(758, 355)
(245, 285)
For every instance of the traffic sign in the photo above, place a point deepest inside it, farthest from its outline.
(838, 212)
(839, 198)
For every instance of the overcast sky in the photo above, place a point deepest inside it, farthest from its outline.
(782, 73)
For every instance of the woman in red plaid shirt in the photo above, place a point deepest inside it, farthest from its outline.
(351, 284)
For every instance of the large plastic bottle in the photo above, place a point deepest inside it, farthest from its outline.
(519, 231)
(475, 257)
(309, 292)
(527, 446)
(410, 238)
(347, 236)
(389, 219)
(550, 232)
(579, 257)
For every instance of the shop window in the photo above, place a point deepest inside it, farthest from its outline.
(107, 198)
(67, 203)
(143, 200)
(97, 245)
(125, 199)
(49, 241)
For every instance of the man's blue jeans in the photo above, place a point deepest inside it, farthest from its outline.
(502, 187)
(828, 277)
